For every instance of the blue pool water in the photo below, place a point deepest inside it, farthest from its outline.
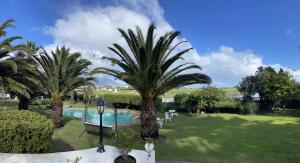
(93, 116)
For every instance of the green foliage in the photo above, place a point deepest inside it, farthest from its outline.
(192, 103)
(9, 103)
(59, 74)
(229, 106)
(248, 87)
(40, 102)
(149, 70)
(273, 86)
(250, 108)
(127, 100)
(24, 132)
(180, 99)
(62, 72)
(209, 96)
(125, 139)
(8, 65)
(122, 98)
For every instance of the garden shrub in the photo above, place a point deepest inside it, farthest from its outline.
(229, 106)
(125, 139)
(251, 108)
(122, 98)
(24, 132)
(40, 102)
(9, 103)
(127, 100)
(180, 101)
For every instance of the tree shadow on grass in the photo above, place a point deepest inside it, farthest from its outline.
(58, 145)
(232, 138)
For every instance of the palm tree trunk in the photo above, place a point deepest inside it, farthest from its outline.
(23, 103)
(57, 113)
(149, 127)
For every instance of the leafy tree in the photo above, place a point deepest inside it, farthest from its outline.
(59, 75)
(209, 96)
(8, 65)
(148, 68)
(248, 87)
(191, 103)
(273, 86)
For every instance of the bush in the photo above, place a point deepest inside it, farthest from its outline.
(125, 139)
(9, 103)
(228, 106)
(251, 108)
(180, 100)
(122, 98)
(24, 132)
(127, 100)
(40, 102)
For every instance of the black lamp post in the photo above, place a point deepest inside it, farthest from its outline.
(100, 109)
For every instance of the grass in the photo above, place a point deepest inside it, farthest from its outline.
(271, 137)
(231, 138)
(215, 138)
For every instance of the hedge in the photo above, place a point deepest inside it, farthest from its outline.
(127, 100)
(40, 102)
(122, 98)
(9, 103)
(224, 106)
(229, 106)
(24, 132)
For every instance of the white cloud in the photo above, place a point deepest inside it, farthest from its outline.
(91, 30)
(227, 66)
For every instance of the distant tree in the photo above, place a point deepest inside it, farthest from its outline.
(191, 103)
(273, 86)
(248, 87)
(209, 96)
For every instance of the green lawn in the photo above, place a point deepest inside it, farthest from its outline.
(217, 137)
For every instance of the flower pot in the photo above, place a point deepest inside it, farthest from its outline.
(149, 147)
(129, 159)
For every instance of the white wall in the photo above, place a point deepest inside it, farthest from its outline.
(87, 156)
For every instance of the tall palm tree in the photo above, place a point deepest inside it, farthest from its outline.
(27, 73)
(59, 75)
(8, 65)
(148, 69)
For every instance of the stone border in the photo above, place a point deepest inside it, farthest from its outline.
(85, 156)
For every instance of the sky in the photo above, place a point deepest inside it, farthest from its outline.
(230, 38)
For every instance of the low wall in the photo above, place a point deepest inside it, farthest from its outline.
(86, 156)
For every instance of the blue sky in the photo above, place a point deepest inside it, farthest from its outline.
(231, 37)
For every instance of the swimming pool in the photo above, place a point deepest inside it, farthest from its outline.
(93, 116)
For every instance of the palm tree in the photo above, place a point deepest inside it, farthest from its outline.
(59, 75)
(8, 65)
(27, 73)
(149, 68)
